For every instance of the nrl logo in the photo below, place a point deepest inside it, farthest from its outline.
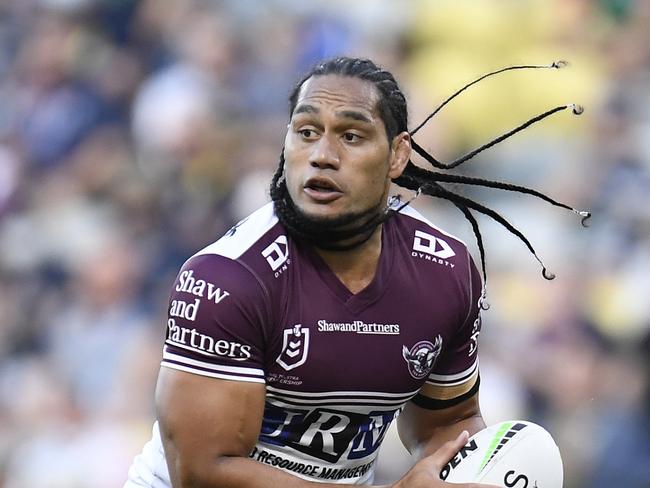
(295, 346)
(422, 356)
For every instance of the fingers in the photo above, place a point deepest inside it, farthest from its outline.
(448, 450)
(427, 471)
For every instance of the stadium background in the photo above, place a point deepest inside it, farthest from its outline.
(132, 133)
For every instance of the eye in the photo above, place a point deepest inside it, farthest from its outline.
(307, 133)
(351, 137)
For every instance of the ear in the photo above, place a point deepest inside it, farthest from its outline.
(400, 154)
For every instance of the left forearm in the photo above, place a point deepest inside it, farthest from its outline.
(422, 431)
(441, 435)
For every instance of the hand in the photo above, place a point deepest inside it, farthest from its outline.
(426, 472)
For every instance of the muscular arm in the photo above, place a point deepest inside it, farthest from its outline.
(435, 436)
(423, 431)
(209, 427)
(448, 403)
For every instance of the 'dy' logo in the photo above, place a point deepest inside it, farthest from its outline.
(421, 357)
(295, 346)
(277, 253)
(432, 245)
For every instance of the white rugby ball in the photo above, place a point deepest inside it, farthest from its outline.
(515, 453)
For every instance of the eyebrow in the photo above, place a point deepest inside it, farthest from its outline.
(306, 109)
(348, 114)
(353, 114)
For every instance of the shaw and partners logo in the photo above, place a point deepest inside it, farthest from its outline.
(277, 255)
(193, 340)
(295, 346)
(358, 327)
(431, 248)
(422, 356)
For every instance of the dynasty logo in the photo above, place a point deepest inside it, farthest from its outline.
(277, 254)
(431, 248)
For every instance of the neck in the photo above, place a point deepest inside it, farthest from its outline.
(355, 267)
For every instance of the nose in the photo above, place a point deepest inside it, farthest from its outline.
(324, 154)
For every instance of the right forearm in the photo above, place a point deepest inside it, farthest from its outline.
(239, 472)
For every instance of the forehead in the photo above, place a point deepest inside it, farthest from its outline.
(337, 92)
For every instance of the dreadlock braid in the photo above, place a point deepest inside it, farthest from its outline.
(357, 229)
(424, 175)
(576, 110)
(555, 64)
(468, 203)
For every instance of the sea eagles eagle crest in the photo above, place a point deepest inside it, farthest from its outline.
(422, 356)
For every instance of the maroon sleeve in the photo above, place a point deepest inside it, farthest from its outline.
(455, 375)
(216, 320)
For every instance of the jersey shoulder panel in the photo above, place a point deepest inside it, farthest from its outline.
(428, 242)
(217, 318)
(414, 214)
(220, 307)
(244, 234)
(258, 243)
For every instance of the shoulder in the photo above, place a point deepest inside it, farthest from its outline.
(244, 235)
(429, 239)
(246, 257)
(436, 256)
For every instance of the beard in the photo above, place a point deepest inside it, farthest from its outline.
(339, 233)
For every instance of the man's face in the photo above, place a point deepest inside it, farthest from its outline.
(338, 160)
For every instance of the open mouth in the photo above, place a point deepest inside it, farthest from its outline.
(322, 189)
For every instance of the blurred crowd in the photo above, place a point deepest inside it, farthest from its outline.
(133, 133)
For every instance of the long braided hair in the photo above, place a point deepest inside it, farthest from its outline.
(393, 110)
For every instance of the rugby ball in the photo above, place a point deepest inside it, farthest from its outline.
(515, 454)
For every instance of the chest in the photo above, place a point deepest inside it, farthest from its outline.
(386, 338)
